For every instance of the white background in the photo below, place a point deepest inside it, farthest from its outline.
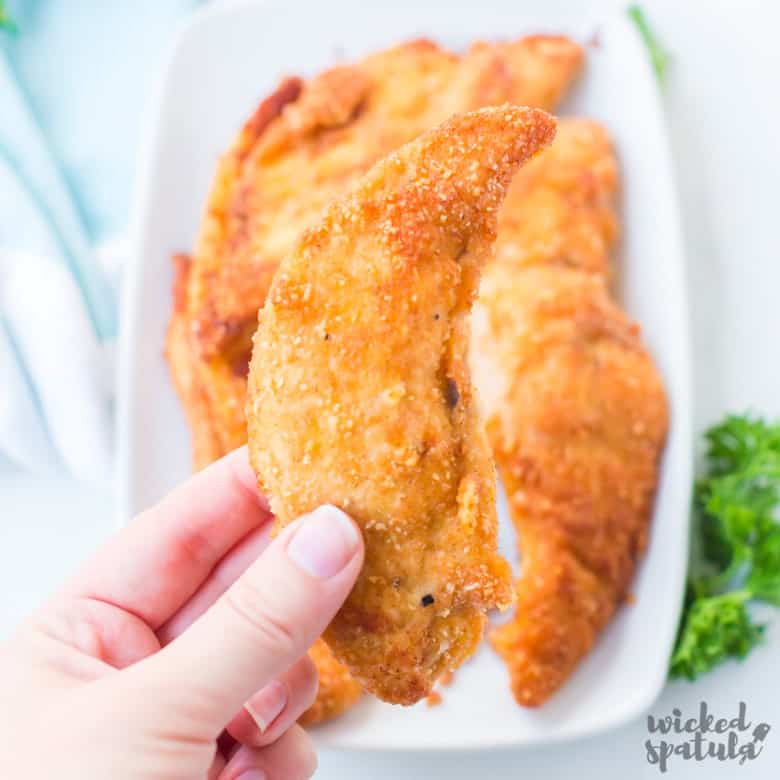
(723, 102)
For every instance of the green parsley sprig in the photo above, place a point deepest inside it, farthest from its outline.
(659, 57)
(736, 545)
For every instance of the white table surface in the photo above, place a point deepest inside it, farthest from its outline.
(723, 101)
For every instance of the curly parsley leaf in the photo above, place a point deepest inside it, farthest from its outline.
(658, 55)
(738, 441)
(764, 579)
(715, 628)
(735, 506)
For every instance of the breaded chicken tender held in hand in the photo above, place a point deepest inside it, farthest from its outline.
(360, 396)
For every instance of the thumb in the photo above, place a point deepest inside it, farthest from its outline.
(265, 622)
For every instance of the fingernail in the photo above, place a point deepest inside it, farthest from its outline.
(266, 705)
(253, 774)
(324, 543)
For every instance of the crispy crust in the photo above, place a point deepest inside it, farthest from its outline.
(180, 356)
(385, 282)
(575, 410)
(338, 690)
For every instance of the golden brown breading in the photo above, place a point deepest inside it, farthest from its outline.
(338, 690)
(360, 396)
(308, 143)
(179, 353)
(575, 410)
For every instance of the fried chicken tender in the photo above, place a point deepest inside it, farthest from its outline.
(338, 690)
(575, 410)
(308, 143)
(178, 351)
(360, 396)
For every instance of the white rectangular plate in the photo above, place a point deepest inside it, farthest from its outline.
(224, 61)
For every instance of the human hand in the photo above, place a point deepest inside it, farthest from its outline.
(177, 652)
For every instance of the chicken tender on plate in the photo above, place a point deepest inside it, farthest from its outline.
(338, 690)
(575, 409)
(360, 396)
(206, 445)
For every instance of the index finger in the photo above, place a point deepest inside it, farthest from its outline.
(154, 564)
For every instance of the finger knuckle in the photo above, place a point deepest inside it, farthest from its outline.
(193, 548)
(272, 630)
